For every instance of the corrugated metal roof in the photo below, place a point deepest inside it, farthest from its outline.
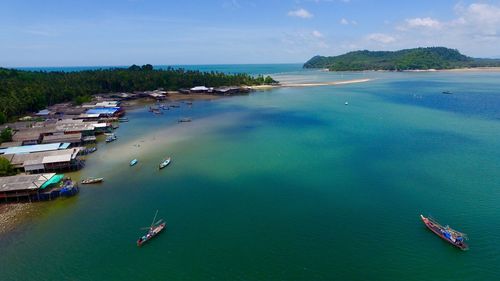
(107, 110)
(75, 137)
(23, 182)
(56, 158)
(31, 148)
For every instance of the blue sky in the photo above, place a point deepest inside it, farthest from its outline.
(123, 32)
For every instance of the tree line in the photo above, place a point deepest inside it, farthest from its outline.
(30, 91)
(408, 59)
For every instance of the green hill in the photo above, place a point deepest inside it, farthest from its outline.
(408, 59)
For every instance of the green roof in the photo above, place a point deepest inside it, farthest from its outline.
(52, 181)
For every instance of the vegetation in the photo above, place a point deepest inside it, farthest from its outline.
(6, 135)
(6, 168)
(409, 59)
(29, 91)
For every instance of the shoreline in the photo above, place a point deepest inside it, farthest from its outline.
(465, 69)
(312, 84)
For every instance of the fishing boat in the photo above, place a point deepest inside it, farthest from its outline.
(133, 162)
(164, 163)
(153, 230)
(446, 233)
(89, 150)
(92, 180)
(111, 138)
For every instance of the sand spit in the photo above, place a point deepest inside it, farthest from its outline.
(312, 84)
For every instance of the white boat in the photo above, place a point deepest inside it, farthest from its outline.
(133, 162)
(92, 180)
(165, 163)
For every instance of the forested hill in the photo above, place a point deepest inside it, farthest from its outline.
(29, 91)
(408, 59)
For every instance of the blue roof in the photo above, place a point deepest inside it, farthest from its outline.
(34, 148)
(43, 112)
(104, 110)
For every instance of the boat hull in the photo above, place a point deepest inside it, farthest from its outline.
(436, 230)
(92, 181)
(151, 234)
(164, 164)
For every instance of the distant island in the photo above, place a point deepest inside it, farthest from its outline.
(29, 91)
(409, 59)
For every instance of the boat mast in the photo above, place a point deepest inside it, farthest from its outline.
(152, 223)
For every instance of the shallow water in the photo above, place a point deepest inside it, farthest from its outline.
(287, 184)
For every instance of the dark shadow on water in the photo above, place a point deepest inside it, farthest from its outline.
(470, 99)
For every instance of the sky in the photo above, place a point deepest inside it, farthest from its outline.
(124, 32)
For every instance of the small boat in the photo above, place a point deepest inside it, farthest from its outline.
(346, 103)
(153, 230)
(89, 150)
(184, 120)
(447, 93)
(164, 163)
(175, 105)
(110, 138)
(133, 162)
(446, 233)
(123, 119)
(92, 180)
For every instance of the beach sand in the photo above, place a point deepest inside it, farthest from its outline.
(475, 69)
(13, 214)
(311, 84)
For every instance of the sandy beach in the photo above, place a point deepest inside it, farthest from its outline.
(331, 83)
(474, 69)
(311, 84)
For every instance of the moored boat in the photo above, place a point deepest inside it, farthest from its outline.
(165, 163)
(446, 233)
(92, 180)
(133, 162)
(184, 120)
(110, 137)
(153, 230)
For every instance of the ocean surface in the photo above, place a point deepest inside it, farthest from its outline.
(286, 184)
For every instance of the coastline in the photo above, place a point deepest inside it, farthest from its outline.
(467, 69)
(312, 84)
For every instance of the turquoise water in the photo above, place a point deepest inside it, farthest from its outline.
(287, 184)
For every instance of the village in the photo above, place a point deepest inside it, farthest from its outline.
(55, 140)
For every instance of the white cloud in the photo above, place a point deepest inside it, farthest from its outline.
(380, 38)
(345, 21)
(423, 22)
(300, 13)
(317, 34)
(475, 30)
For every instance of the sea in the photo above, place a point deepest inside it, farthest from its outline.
(286, 184)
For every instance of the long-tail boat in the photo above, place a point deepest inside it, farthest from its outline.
(446, 233)
(92, 180)
(164, 163)
(153, 230)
